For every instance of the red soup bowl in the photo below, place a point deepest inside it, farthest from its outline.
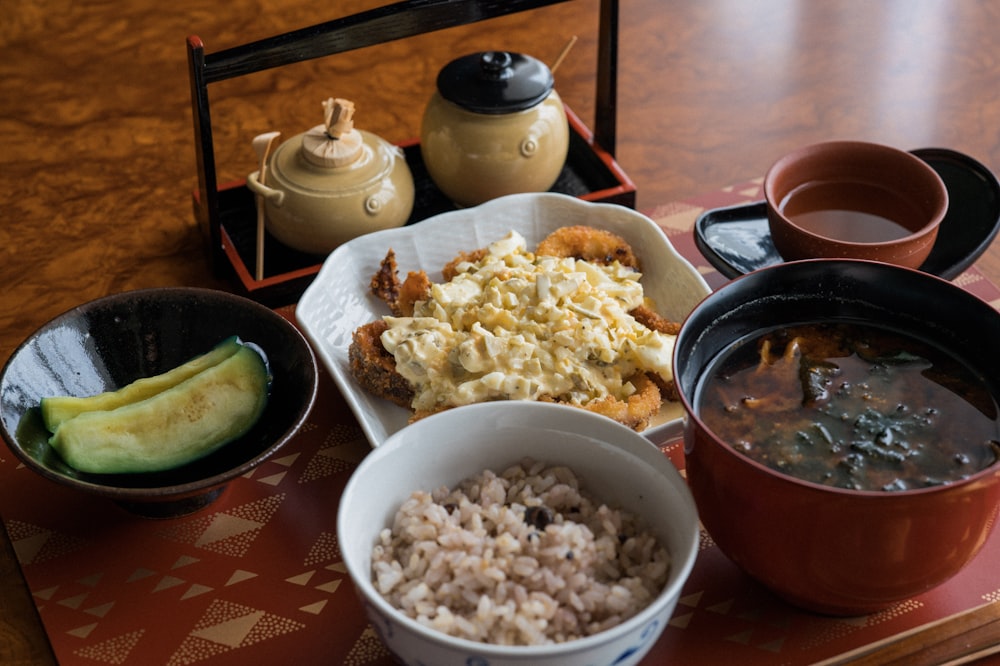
(827, 549)
(854, 200)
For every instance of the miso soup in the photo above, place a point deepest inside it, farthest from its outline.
(853, 406)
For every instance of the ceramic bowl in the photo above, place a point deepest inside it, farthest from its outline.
(112, 341)
(855, 200)
(828, 549)
(615, 464)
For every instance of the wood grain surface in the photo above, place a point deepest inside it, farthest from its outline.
(98, 155)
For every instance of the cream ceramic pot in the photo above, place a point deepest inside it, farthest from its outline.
(495, 126)
(320, 192)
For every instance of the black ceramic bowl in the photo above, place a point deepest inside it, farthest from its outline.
(109, 342)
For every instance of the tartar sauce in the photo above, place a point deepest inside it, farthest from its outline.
(518, 326)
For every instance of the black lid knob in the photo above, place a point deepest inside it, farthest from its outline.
(495, 82)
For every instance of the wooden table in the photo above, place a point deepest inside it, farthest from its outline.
(98, 151)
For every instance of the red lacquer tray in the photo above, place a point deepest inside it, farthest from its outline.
(257, 576)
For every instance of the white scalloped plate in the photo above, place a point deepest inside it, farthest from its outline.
(339, 300)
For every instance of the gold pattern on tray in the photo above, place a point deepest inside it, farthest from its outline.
(230, 532)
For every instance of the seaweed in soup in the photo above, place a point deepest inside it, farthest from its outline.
(853, 406)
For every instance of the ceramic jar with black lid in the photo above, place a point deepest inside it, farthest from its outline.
(494, 126)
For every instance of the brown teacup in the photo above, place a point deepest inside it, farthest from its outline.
(855, 200)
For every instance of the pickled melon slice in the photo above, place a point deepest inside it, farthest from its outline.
(173, 427)
(55, 410)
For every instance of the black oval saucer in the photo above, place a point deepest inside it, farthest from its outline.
(736, 239)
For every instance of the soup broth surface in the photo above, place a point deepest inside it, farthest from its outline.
(852, 406)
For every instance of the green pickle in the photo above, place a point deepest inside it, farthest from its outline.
(181, 422)
(63, 408)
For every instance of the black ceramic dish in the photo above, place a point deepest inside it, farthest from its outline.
(736, 239)
(107, 343)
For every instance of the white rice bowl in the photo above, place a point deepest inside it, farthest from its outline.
(616, 466)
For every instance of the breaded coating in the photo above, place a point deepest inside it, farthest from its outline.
(385, 283)
(654, 321)
(416, 287)
(375, 368)
(588, 244)
(634, 412)
(400, 297)
(450, 269)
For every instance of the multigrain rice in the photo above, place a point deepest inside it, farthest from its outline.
(523, 558)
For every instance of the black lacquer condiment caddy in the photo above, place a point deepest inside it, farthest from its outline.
(227, 214)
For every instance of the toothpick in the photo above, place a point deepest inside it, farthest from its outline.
(262, 144)
(563, 53)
